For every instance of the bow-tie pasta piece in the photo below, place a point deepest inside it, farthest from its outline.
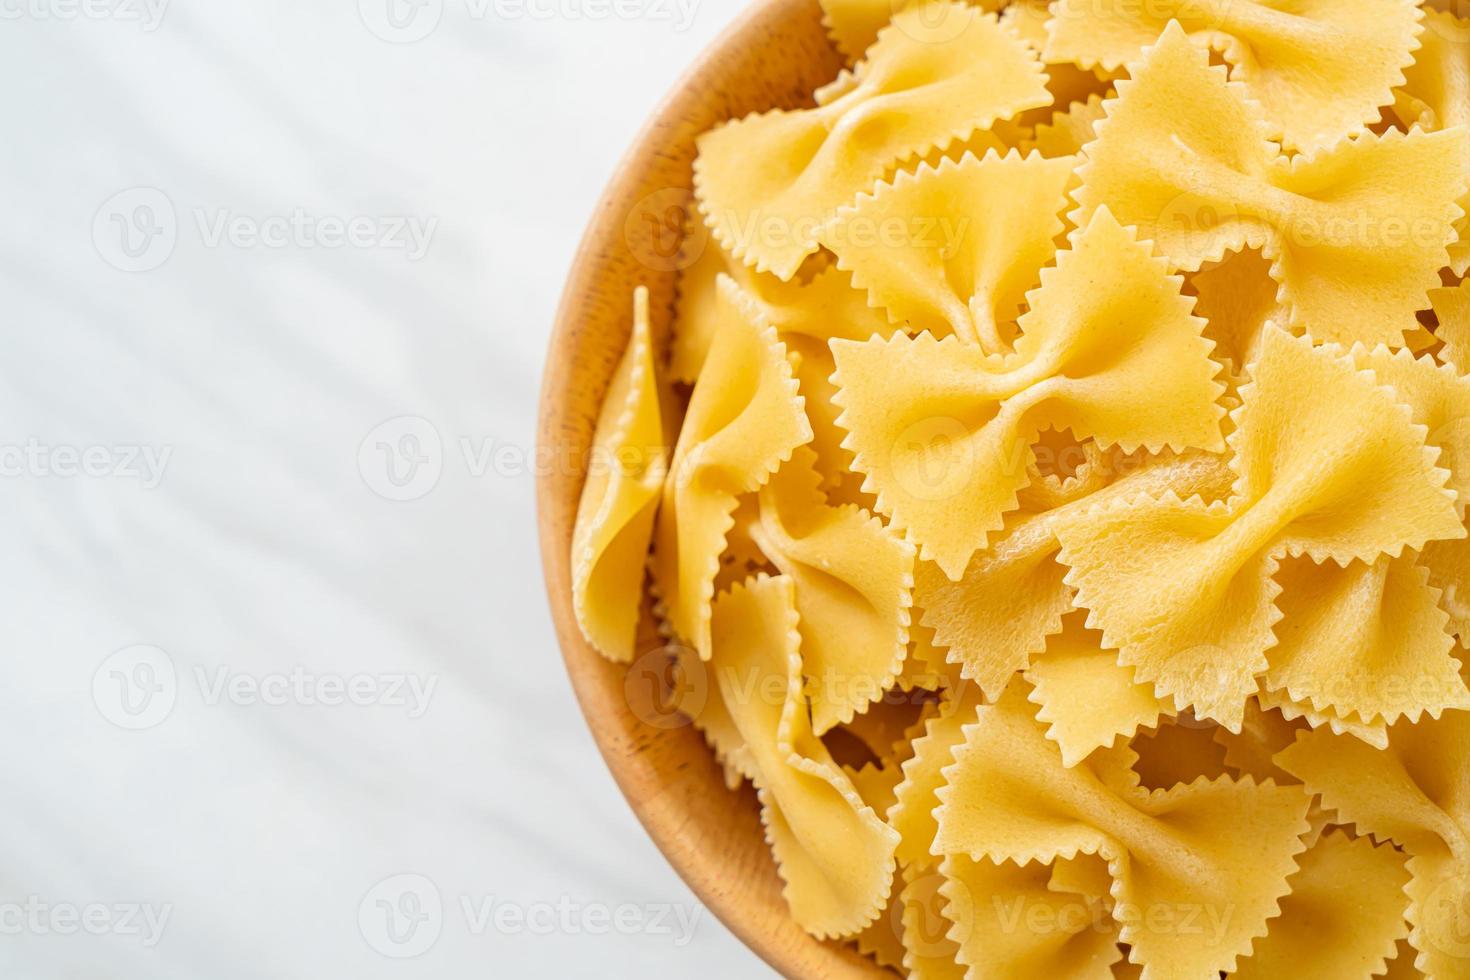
(1436, 95)
(1374, 733)
(1440, 400)
(1085, 697)
(806, 316)
(1013, 595)
(912, 814)
(1357, 231)
(925, 926)
(1436, 89)
(767, 183)
(1067, 82)
(1343, 918)
(955, 249)
(694, 693)
(833, 852)
(854, 24)
(1451, 306)
(1184, 589)
(854, 586)
(1320, 70)
(1412, 793)
(824, 307)
(1015, 922)
(1367, 643)
(615, 517)
(1069, 130)
(942, 431)
(745, 418)
(1219, 851)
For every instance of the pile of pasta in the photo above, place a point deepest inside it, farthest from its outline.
(1065, 520)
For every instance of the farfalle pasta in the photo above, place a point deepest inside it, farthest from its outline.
(931, 421)
(942, 70)
(1052, 488)
(1320, 71)
(1357, 230)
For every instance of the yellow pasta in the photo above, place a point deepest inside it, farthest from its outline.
(929, 952)
(912, 813)
(854, 586)
(1190, 599)
(834, 853)
(1366, 643)
(1436, 95)
(1013, 595)
(854, 24)
(1017, 924)
(1076, 670)
(806, 316)
(744, 419)
(1199, 849)
(967, 276)
(1070, 510)
(1319, 68)
(1069, 130)
(767, 184)
(1343, 918)
(1412, 793)
(615, 516)
(942, 430)
(1357, 233)
(1451, 307)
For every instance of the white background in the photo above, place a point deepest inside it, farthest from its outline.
(180, 600)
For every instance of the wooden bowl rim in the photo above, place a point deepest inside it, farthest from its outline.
(630, 772)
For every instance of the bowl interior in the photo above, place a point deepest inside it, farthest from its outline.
(775, 55)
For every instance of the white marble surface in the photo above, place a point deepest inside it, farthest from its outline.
(202, 566)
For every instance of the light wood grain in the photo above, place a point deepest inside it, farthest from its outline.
(776, 55)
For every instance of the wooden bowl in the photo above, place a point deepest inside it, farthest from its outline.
(777, 54)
